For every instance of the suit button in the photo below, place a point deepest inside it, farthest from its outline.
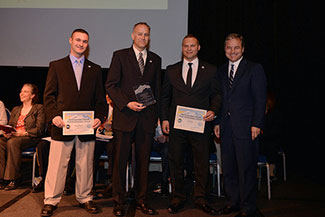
(228, 113)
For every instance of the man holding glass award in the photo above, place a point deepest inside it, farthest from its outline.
(133, 83)
(190, 99)
(75, 104)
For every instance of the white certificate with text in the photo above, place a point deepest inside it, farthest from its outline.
(190, 119)
(78, 122)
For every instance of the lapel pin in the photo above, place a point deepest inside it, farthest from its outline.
(150, 61)
(202, 67)
(89, 66)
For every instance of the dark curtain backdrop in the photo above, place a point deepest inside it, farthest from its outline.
(285, 37)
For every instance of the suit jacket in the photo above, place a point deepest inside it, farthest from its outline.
(35, 121)
(204, 94)
(245, 102)
(123, 75)
(61, 94)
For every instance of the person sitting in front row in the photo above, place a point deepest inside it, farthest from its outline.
(29, 122)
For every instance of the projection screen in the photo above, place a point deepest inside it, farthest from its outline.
(34, 32)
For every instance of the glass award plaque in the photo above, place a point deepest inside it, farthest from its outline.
(144, 94)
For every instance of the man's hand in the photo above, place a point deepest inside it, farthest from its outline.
(209, 116)
(217, 131)
(96, 123)
(135, 106)
(57, 121)
(165, 126)
(255, 132)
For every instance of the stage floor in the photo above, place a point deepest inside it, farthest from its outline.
(299, 196)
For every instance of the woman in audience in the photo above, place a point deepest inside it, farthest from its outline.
(28, 120)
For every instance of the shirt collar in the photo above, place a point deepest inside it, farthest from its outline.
(74, 59)
(235, 63)
(195, 61)
(136, 51)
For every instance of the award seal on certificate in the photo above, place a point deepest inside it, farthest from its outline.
(190, 119)
(78, 122)
(144, 94)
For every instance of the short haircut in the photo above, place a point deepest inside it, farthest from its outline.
(235, 36)
(79, 30)
(191, 36)
(142, 23)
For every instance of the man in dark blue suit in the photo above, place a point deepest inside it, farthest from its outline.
(243, 84)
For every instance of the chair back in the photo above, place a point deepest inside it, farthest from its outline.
(8, 114)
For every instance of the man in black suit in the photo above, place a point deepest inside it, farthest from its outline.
(133, 121)
(240, 121)
(73, 84)
(192, 83)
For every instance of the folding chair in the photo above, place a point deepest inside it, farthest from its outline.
(262, 162)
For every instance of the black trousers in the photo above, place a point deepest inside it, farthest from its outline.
(239, 162)
(200, 144)
(122, 150)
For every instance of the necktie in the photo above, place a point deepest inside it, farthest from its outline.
(78, 72)
(141, 62)
(231, 76)
(189, 76)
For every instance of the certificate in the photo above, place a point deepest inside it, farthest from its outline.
(78, 122)
(190, 119)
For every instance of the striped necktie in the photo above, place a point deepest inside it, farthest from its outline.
(141, 62)
(231, 76)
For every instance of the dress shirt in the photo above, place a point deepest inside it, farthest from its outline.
(236, 64)
(144, 54)
(185, 68)
(74, 61)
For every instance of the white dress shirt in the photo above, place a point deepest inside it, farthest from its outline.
(185, 68)
(236, 64)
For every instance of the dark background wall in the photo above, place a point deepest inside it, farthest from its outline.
(284, 36)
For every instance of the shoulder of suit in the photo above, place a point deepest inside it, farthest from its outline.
(16, 108)
(92, 64)
(251, 64)
(175, 65)
(121, 51)
(154, 55)
(39, 106)
(59, 61)
(203, 64)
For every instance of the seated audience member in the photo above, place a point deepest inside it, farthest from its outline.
(3, 115)
(160, 145)
(29, 122)
(100, 146)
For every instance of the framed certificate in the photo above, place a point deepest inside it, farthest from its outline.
(78, 122)
(190, 119)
